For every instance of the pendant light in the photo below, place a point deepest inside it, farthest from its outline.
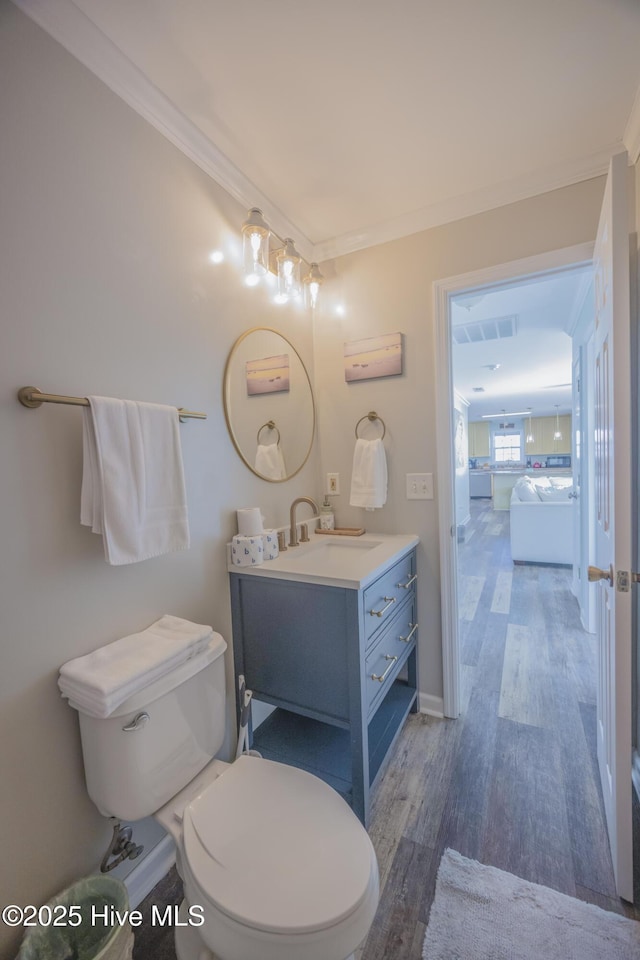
(529, 438)
(255, 247)
(558, 432)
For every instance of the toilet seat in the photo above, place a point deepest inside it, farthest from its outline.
(276, 850)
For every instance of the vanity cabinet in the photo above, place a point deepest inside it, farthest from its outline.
(338, 663)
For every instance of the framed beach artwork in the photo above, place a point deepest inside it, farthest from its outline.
(268, 375)
(373, 358)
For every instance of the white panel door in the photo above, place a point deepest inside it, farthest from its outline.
(579, 571)
(612, 387)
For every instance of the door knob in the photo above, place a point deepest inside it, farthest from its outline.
(595, 573)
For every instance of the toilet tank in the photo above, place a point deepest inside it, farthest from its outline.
(133, 765)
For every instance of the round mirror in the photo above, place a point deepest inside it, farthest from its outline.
(268, 404)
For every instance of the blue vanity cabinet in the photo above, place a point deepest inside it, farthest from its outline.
(340, 665)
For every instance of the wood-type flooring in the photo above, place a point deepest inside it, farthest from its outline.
(513, 782)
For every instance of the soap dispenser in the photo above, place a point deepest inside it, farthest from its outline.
(327, 520)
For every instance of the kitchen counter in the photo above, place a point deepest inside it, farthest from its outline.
(521, 471)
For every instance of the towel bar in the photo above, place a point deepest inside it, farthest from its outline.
(32, 397)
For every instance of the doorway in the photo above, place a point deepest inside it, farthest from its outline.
(470, 286)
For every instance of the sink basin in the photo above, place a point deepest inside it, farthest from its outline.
(344, 561)
(324, 557)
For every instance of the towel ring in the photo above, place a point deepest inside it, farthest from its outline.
(372, 415)
(270, 425)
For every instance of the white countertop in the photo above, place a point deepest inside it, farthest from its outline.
(334, 561)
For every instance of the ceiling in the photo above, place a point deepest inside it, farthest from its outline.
(352, 122)
(534, 365)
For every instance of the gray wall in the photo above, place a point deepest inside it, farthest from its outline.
(105, 287)
(389, 288)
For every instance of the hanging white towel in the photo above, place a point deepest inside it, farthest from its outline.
(270, 462)
(133, 490)
(369, 475)
(100, 681)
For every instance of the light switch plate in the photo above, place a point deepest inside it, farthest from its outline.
(419, 486)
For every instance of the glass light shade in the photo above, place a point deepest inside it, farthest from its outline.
(255, 245)
(288, 260)
(312, 284)
(558, 432)
(529, 437)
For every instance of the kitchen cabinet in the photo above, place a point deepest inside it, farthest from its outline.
(543, 429)
(339, 663)
(479, 439)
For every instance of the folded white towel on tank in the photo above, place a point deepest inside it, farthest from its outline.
(133, 490)
(100, 681)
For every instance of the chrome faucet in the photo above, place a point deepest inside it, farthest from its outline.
(293, 539)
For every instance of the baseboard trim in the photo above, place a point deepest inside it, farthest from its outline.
(150, 871)
(432, 706)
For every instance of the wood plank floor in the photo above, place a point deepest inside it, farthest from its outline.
(513, 782)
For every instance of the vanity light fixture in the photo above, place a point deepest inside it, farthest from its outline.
(288, 260)
(312, 283)
(259, 257)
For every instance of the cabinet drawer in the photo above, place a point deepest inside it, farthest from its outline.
(382, 598)
(388, 655)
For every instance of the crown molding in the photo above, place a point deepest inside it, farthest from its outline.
(631, 138)
(80, 36)
(468, 205)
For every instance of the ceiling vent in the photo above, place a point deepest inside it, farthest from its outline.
(497, 328)
(478, 389)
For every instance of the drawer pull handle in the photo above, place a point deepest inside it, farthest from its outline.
(409, 583)
(407, 639)
(388, 601)
(383, 676)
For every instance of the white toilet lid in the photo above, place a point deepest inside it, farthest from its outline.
(278, 849)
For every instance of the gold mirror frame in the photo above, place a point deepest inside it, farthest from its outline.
(226, 402)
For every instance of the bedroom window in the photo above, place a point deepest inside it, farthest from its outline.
(506, 447)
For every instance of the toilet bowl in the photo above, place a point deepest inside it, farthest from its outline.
(275, 864)
(278, 865)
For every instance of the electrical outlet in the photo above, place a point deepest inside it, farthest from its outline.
(419, 486)
(333, 484)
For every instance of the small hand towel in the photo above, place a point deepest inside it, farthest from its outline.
(100, 681)
(133, 490)
(369, 475)
(270, 461)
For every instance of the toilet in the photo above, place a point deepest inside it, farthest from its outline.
(275, 864)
